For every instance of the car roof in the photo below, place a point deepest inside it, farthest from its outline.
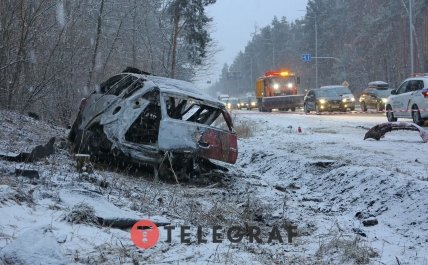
(377, 83)
(417, 77)
(176, 86)
(333, 86)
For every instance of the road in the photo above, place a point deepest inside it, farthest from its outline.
(369, 118)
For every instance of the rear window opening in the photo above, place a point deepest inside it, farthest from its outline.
(145, 128)
(190, 110)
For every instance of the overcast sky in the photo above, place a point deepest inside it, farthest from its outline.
(235, 20)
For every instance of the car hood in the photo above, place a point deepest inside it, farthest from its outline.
(347, 96)
(331, 98)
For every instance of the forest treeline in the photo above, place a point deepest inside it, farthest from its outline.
(54, 51)
(369, 40)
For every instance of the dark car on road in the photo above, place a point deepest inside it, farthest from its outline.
(348, 98)
(247, 103)
(375, 96)
(327, 99)
(232, 103)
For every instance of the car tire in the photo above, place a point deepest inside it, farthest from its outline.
(390, 114)
(306, 109)
(352, 108)
(379, 107)
(416, 116)
(363, 106)
(293, 109)
(93, 142)
(317, 109)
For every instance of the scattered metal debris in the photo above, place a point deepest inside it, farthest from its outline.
(156, 121)
(380, 130)
(83, 163)
(370, 221)
(92, 207)
(39, 152)
(29, 173)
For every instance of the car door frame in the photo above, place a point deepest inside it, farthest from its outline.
(399, 101)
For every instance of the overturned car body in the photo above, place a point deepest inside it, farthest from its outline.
(140, 118)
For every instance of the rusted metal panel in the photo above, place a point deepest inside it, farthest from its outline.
(219, 145)
(207, 142)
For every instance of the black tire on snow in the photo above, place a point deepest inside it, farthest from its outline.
(390, 114)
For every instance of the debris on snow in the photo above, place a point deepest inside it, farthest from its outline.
(370, 221)
(29, 173)
(380, 130)
(39, 152)
(86, 203)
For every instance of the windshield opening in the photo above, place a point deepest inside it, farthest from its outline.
(145, 128)
(192, 110)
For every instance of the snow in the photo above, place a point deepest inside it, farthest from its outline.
(60, 14)
(33, 246)
(326, 180)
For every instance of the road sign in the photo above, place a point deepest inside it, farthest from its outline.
(306, 57)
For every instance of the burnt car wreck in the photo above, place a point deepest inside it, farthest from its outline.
(138, 118)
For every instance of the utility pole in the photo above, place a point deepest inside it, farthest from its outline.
(273, 55)
(316, 51)
(412, 66)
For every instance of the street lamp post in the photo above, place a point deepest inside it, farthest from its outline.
(273, 55)
(316, 51)
(412, 66)
(273, 51)
(316, 46)
(337, 59)
(251, 66)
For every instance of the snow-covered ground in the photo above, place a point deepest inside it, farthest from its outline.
(326, 180)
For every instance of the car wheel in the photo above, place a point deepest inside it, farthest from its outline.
(306, 108)
(352, 108)
(363, 106)
(93, 142)
(317, 109)
(379, 106)
(416, 116)
(390, 114)
(293, 109)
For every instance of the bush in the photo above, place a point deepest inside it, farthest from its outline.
(82, 213)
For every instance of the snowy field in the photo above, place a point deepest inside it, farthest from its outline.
(326, 180)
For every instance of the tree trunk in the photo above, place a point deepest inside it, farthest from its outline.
(174, 39)
(97, 42)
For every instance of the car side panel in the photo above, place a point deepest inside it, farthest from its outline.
(201, 139)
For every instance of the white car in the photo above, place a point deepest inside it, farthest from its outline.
(409, 100)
